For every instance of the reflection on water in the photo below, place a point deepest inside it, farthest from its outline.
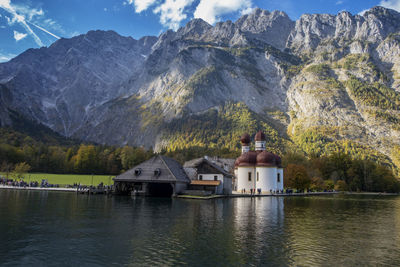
(46, 227)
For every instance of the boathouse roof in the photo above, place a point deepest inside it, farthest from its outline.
(157, 169)
(202, 166)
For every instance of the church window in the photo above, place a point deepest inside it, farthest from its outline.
(279, 177)
(249, 176)
(258, 176)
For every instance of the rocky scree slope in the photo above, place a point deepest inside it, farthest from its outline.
(321, 83)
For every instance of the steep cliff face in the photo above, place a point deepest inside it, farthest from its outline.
(322, 83)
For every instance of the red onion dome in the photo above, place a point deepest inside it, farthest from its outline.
(245, 139)
(260, 136)
(266, 159)
(278, 161)
(247, 159)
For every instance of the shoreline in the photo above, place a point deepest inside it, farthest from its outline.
(234, 195)
(57, 189)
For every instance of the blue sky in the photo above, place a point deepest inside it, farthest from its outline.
(34, 23)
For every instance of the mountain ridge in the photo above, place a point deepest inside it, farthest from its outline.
(335, 77)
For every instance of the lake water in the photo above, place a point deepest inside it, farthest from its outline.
(65, 229)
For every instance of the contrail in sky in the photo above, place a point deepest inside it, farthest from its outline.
(46, 31)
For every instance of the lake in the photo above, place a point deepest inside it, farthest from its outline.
(66, 229)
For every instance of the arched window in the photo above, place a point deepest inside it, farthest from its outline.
(258, 176)
(279, 177)
(249, 176)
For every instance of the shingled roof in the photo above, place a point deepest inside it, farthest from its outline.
(168, 170)
(193, 164)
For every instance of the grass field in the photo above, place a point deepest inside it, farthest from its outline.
(64, 179)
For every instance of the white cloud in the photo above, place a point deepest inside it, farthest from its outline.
(246, 11)
(23, 14)
(172, 12)
(393, 4)
(51, 24)
(339, 2)
(19, 36)
(6, 57)
(211, 10)
(27, 11)
(6, 5)
(140, 5)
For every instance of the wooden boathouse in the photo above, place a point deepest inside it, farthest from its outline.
(158, 176)
(207, 176)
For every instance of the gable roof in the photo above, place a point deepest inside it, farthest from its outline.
(175, 168)
(195, 163)
(169, 171)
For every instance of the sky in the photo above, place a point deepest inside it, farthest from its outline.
(28, 24)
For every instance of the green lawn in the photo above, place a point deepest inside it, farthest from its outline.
(64, 179)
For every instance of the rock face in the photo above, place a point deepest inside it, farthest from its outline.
(338, 75)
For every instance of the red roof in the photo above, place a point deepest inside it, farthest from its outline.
(247, 159)
(266, 159)
(260, 136)
(245, 139)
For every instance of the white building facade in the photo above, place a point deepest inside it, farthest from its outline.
(258, 171)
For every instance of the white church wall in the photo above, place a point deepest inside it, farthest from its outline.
(243, 179)
(267, 179)
(280, 183)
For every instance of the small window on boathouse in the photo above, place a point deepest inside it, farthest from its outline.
(138, 171)
(157, 172)
(215, 177)
(249, 176)
(279, 177)
(200, 177)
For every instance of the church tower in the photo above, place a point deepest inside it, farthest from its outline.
(260, 141)
(245, 140)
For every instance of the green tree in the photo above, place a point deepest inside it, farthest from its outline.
(317, 184)
(297, 177)
(21, 169)
(341, 186)
(7, 168)
(86, 159)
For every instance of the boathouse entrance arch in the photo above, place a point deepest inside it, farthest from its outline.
(160, 189)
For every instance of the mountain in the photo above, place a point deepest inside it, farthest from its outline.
(321, 84)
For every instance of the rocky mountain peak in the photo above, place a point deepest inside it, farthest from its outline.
(193, 29)
(294, 72)
(270, 27)
(381, 12)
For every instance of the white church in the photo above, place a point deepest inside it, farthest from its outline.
(257, 171)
